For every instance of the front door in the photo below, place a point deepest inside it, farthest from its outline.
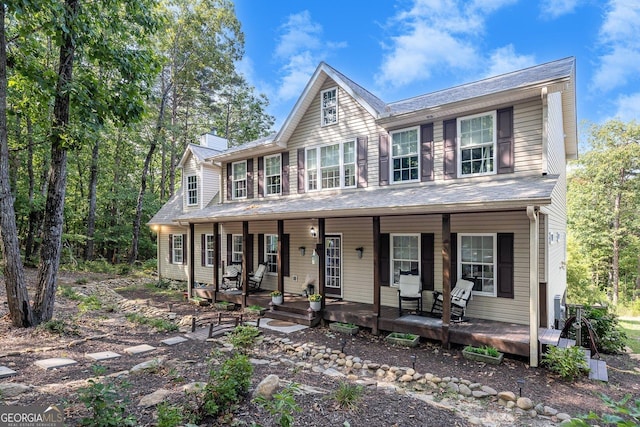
(333, 266)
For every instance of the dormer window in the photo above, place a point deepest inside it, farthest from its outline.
(240, 180)
(477, 147)
(329, 106)
(192, 190)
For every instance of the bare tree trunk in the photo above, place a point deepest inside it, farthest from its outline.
(17, 295)
(53, 221)
(615, 262)
(91, 216)
(174, 137)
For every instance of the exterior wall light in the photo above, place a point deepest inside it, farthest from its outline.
(302, 250)
(313, 232)
(360, 251)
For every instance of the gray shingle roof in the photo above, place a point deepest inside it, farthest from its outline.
(468, 195)
(169, 211)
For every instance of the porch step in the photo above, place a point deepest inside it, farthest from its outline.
(297, 318)
(292, 307)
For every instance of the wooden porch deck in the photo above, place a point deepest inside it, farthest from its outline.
(509, 338)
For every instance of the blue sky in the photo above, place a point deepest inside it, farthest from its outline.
(402, 48)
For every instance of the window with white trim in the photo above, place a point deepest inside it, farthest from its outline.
(240, 180)
(331, 166)
(192, 190)
(405, 159)
(272, 174)
(271, 252)
(405, 255)
(177, 249)
(209, 245)
(236, 248)
(477, 144)
(329, 106)
(477, 261)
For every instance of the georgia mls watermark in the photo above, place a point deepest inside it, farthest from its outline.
(31, 416)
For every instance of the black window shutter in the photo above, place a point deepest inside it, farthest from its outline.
(454, 259)
(229, 249)
(383, 172)
(184, 249)
(362, 143)
(301, 171)
(229, 181)
(505, 265)
(450, 149)
(260, 248)
(249, 244)
(285, 173)
(260, 176)
(285, 255)
(249, 178)
(427, 260)
(203, 250)
(385, 259)
(170, 248)
(505, 140)
(426, 151)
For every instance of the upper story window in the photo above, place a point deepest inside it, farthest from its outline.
(405, 255)
(236, 249)
(271, 252)
(405, 155)
(329, 106)
(331, 166)
(273, 174)
(477, 147)
(239, 180)
(177, 255)
(478, 261)
(192, 190)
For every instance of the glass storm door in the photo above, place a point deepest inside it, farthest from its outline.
(333, 266)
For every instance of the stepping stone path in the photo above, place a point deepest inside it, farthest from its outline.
(174, 340)
(139, 349)
(54, 363)
(6, 372)
(103, 355)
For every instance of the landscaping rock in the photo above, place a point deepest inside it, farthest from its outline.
(267, 387)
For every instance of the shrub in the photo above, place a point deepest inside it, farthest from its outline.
(348, 395)
(282, 405)
(243, 337)
(169, 415)
(59, 327)
(227, 384)
(626, 413)
(106, 404)
(570, 363)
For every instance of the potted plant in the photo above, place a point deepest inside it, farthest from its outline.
(486, 354)
(406, 340)
(345, 328)
(255, 309)
(315, 302)
(276, 297)
(199, 301)
(225, 305)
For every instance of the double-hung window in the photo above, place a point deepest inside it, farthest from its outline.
(405, 255)
(477, 255)
(331, 166)
(329, 106)
(477, 144)
(208, 241)
(405, 155)
(236, 250)
(272, 174)
(271, 252)
(192, 190)
(240, 180)
(177, 249)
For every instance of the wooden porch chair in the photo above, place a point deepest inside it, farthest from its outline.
(255, 279)
(460, 296)
(232, 277)
(409, 289)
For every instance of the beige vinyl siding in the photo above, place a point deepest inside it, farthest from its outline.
(300, 266)
(527, 126)
(167, 270)
(556, 212)
(210, 185)
(270, 280)
(202, 274)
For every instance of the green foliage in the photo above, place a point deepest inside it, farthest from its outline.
(60, 327)
(90, 303)
(282, 405)
(106, 404)
(626, 413)
(69, 293)
(570, 363)
(243, 337)
(348, 395)
(161, 325)
(487, 350)
(610, 337)
(169, 415)
(631, 328)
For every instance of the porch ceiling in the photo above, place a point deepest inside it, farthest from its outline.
(465, 196)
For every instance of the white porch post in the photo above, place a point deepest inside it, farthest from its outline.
(534, 315)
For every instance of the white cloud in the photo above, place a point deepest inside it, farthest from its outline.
(628, 107)
(434, 36)
(505, 59)
(620, 61)
(552, 9)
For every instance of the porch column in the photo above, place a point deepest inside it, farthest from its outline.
(376, 274)
(191, 259)
(279, 259)
(446, 278)
(532, 213)
(321, 260)
(245, 264)
(216, 254)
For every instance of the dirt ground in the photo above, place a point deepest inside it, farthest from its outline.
(108, 330)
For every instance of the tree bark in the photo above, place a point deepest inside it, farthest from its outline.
(17, 296)
(91, 215)
(615, 261)
(53, 221)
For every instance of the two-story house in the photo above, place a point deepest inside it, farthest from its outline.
(353, 191)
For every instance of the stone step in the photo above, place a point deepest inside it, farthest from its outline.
(54, 363)
(6, 372)
(139, 349)
(103, 355)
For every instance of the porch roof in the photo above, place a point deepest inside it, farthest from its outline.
(464, 196)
